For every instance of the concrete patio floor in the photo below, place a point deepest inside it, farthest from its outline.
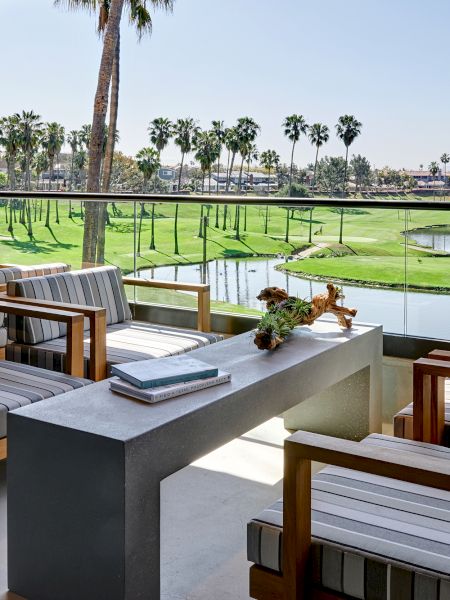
(205, 509)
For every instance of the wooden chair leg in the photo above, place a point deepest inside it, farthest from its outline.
(75, 347)
(429, 402)
(204, 311)
(3, 448)
(97, 360)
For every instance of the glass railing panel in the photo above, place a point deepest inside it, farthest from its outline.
(428, 273)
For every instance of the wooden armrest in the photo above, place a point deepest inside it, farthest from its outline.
(202, 289)
(439, 355)
(303, 447)
(397, 464)
(97, 328)
(432, 366)
(74, 322)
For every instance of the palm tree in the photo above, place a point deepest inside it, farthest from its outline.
(319, 135)
(434, 170)
(252, 154)
(30, 131)
(348, 128)
(40, 165)
(73, 141)
(445, 158)
(219, 132)
(294, 127)
(232, 145)
(148, 163)
(207, 150)
(160, 130)
(247, 130)
(268, 160)
(52, 142)
(184, 131)
(10, 140)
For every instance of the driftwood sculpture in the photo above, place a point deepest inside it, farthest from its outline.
(286, 312)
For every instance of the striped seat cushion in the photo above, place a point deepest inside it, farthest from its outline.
(100, 286)
(374, 537)
(403, 420)
(125, 342)
(22, 384)
(14, 272)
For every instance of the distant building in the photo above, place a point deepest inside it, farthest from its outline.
(167, 173)
(425, 177)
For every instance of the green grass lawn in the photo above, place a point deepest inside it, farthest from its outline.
(373, 248)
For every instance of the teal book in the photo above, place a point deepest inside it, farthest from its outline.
(155, 372)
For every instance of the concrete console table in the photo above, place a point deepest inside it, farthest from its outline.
(84, 469)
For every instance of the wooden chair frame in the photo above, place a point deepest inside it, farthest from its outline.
(74, 348)
(97, 328)
(299, 450)
(203, 296)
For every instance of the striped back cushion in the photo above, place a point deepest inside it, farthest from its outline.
(20, 272)
(100, 286)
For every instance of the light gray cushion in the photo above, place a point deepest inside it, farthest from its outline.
(100, 286)
(125, 342)
(23, 384)
(371, 534)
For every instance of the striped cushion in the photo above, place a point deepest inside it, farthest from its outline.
(125, 342)
(21, 271)
(373, 536)
(101, 286)
(22, 384)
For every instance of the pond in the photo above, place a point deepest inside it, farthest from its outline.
(437, 238)
(239, 281)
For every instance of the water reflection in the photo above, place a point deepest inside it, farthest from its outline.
(239, 281)
(437, 238)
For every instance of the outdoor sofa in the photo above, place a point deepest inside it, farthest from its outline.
(376, 527)
(22, 384)
(42, 343)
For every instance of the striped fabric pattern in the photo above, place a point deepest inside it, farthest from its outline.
(125, 342)
(21, 385)
(374, 537)
(403, 420)
(20, 272)
(100, 286)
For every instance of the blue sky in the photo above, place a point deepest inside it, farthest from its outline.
(385, 61)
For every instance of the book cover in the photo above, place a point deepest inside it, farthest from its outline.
(155, 372)
(166, 391)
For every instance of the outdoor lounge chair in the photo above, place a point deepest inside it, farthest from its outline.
(377, 525)
(42, 343)
(24, 384)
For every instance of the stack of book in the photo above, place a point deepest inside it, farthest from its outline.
(163, 378)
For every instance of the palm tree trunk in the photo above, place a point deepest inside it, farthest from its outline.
(341, 225)
(218, 177)
(152, 239)
(10, 226)
(292, 166)
(233, 155)
(200, 228)
(141, 215)
(310, 224)
(238, 218)
(181, 171)
(56, 212)
(175, 230)
(47, 216)
(225, 211)
(98, 127)
(109, 152)
(315, 167)
(30, 226)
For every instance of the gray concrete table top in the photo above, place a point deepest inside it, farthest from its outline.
(97, 410)
(84, 469)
